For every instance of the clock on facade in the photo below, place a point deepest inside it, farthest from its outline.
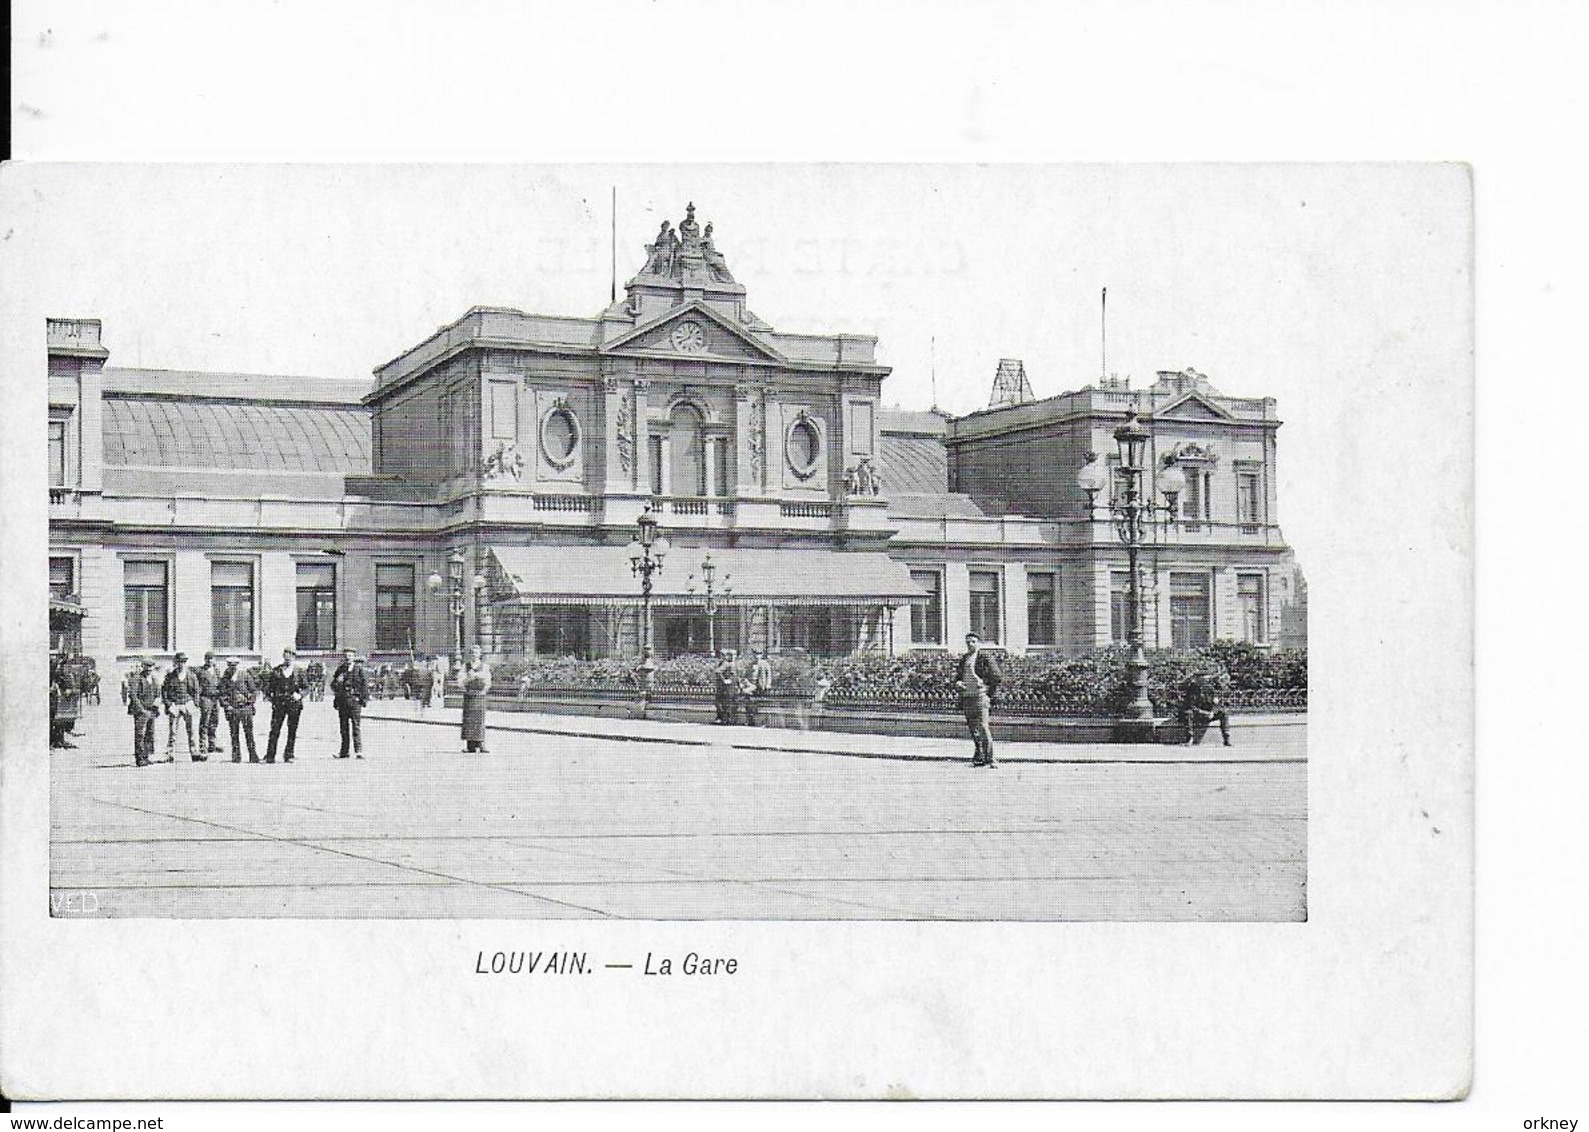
(689, 337)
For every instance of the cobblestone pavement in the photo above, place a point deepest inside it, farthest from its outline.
(706, 824)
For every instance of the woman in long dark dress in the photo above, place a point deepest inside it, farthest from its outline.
(476, 682)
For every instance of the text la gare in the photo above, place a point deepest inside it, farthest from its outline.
(691, 964)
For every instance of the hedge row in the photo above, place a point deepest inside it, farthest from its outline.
(1098, 681)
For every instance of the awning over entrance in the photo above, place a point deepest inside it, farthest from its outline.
(601, 575)
(60, 608)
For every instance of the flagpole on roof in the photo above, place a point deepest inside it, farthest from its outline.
(1103, 332)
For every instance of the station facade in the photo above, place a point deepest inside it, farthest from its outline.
(486, 484)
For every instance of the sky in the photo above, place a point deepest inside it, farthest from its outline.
(329, 271)
(1296, 282)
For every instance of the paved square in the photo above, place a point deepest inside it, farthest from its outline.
(548, 826)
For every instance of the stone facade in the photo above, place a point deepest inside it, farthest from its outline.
(249, 513)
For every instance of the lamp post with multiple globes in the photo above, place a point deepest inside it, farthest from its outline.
(646, 552)
(453, 584)
(712, 588)
(1132, 507)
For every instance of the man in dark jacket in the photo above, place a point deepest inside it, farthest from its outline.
(285, 688)
(143, 704)
(180, 694)
(238, 691)
(977, 679)
(1200, 706)
(350, 691)
(64, 687)
(726, 686)
(209, 678)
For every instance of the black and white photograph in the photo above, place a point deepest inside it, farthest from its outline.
(914, 597)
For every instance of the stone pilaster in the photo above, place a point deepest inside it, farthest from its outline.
(749, 443)
(640, 473)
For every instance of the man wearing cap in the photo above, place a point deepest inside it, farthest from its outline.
(350, 691)
(727, 693)
(143, 704)
(180, 692)
(209, 703)
(758, 689)
(285, 689)
(238, 691)
(977, 679)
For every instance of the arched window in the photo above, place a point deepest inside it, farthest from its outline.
(686, 452)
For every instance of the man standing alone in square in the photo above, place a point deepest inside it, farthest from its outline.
(977, 679)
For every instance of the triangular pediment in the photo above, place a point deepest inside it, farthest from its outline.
(1192, 407)
(693, 332)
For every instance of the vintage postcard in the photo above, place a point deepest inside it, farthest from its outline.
(928, 603)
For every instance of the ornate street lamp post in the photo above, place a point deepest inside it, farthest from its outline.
(453, 584)
(711, 587)
(456, 591)
(478, 583)
(1132, 508)
(646, 552)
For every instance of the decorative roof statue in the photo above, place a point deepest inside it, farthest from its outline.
(687, 254)
(661, 256)
(689, 230)
(715, 263)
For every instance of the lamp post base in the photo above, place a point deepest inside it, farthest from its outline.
(1143, 730)
(648, 682)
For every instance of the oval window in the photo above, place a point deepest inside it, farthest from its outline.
(560, 436)
(805, 445)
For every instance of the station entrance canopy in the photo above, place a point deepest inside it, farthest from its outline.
(601, 575)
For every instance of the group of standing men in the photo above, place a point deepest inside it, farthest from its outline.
(198, 697)
(734, 690)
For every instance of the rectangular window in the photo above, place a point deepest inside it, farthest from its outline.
(1189, 610)
(57, 453)
(1196, 502)
(1040, 608)
(808, 628)
(449, 434)
(394, 607)
(564, 630)
(718, 454)
(654, 443)
(232, 606)
(861, 428)
(926, 618)
(63, 578)
(504, 410)
(317, 605)
(1117, 479)
(148, 593)
(1249, 500)
(1254, 607)
(1120, 606)
(985, 605)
